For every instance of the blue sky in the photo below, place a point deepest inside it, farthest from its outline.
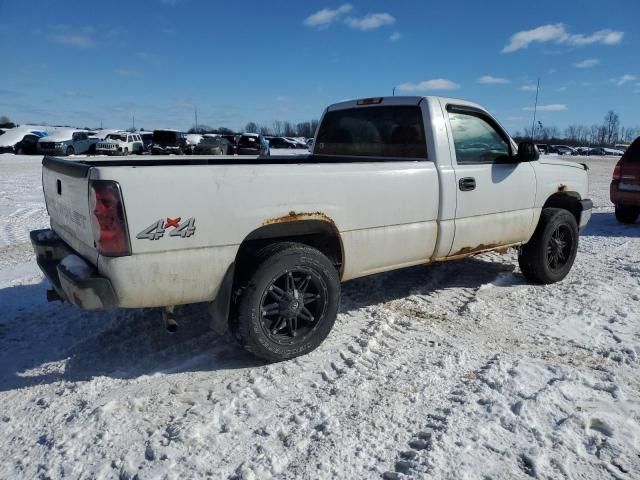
(84, 63)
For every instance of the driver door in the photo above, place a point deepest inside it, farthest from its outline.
(495, 192)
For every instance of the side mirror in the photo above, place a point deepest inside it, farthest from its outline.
(528, 152)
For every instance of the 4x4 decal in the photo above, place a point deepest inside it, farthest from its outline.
(157, 229)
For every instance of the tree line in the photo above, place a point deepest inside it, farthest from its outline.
(607, 134)
(278, 128)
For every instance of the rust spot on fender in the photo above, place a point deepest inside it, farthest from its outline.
(296, 216)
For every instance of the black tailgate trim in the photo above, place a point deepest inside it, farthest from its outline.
(66, 167)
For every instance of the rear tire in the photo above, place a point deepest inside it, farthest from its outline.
(627, 214)
(288, 303)
(549, 255)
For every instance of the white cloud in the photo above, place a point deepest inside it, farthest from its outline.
(553, 107)
(395, 36)
(605, 37)
(488, 80)
(588, 63)
(73, 40)
(529, 88)
(623, 79)
(435, 84)
(127, 72)
(325, 17)
(371, 21)
(557, 33)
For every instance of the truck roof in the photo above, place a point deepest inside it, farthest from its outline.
(398, 100)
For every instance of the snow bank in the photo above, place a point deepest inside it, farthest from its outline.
(456, 370)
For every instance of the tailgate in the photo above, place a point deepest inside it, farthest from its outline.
(630, 174)
(66, 192)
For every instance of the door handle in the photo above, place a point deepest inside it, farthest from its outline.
(467, 184)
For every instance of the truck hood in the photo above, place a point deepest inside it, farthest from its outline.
(560, 163)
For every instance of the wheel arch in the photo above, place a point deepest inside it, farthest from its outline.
(566, 200)
(313, 229)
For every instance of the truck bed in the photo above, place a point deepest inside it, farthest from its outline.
(59, 164)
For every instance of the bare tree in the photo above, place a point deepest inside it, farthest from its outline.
(264, 130)
(251, 127)
(278, 128)
(289, 131)
(611, 127)
(304, 129)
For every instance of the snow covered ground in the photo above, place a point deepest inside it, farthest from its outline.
(457, 370)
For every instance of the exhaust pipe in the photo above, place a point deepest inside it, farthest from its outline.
(169, 320)
(53, 296)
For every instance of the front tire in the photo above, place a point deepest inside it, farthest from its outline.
(627, 214)
(549, 255)
(70, 151)
(288, 302)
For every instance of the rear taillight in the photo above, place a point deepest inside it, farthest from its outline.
(107, 219)
(616, 172)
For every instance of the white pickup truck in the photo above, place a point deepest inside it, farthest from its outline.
(391, 182)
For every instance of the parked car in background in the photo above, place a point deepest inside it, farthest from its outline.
(299, 142)
(582, 150)
(613, 151)
(281, 142)
(621, 146)
(233, 143)
(21, 141)
(147, 140)
(167, 142)
(102, 133)
(562, 150)
(120, 143)
(211, 144)
(252, 144)
(193, 139)
(604, 151)
(624, 190)
(543, 148)
(67, 142)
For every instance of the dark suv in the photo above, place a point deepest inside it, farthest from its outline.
(167, 142)
(625, 185)
(252, 144)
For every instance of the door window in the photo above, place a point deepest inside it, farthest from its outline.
(476, 140)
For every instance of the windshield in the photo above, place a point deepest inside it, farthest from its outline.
(373, 132)
(247, 141)
(116, 137)
(164, 137)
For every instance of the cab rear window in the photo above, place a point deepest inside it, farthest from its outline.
(388, 132)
